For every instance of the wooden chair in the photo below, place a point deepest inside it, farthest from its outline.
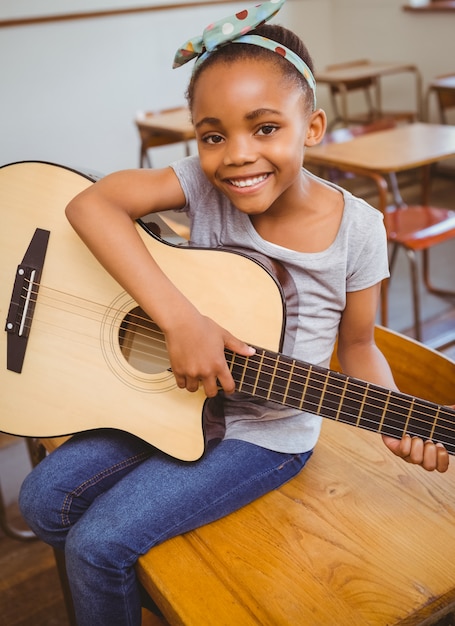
(358, 537)
(153, 138)
(368, 87)
(414, 228)
(443, 87)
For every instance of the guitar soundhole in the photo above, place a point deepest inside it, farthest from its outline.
(142, 343)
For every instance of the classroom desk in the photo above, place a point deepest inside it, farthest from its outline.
(163, 128)
(176, 123)
(340, 76)
(389, 151)
(444, 89)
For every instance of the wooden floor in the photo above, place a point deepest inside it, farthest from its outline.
(30, 592)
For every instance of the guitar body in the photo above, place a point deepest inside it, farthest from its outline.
(76, 374)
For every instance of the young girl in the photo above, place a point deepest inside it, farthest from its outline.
(106, 497)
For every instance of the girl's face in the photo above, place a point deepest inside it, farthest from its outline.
(252, 127)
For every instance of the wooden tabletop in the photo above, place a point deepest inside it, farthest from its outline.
(361, 69)
(393, 150)
(176, 122)
(446, 82)
(337, 556)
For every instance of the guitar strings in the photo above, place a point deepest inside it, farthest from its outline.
(330, 386)
(143, 339)
(159, 339)
(159, 335)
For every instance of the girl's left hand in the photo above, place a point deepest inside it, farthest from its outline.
(431, 456)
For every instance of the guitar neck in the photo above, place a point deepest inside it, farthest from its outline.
(306, 387)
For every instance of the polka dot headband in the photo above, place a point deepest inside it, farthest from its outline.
(235, 29)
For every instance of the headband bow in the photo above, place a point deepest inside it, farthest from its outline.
(234, 29)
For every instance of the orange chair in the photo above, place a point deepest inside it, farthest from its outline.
(414, 228)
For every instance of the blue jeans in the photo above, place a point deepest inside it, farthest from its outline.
(106, 498)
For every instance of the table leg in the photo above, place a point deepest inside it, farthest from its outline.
(396, 194)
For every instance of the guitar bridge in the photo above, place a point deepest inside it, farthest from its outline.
(23, 300)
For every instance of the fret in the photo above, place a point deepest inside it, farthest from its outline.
(322, 393)
(230, 356)
(242, 377)
(444, 428)
(241, 374)
(237, 367)
(282, 383)
(371, 411)
(288, 383)
(350, 406)
(258, 374)
(266, 377)
(435, 421)
(408, 416)
(305, 387)
(395, 418)
(321, 400)
(362, 404)
(384, 410)
(334, 392)
(313, 390)
(272, 379)
(422, 422)
(340, 401)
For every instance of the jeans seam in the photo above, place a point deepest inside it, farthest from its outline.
(279, 466)
(68, 500)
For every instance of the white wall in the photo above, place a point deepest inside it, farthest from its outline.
(69, 90)
(381, 30)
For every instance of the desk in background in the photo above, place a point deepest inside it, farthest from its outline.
(395, 150)
(443, 88)
(163, 128)
(363, 74)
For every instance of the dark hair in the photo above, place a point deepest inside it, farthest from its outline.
(237, 51)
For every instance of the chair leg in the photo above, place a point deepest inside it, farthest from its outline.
(385, 302)
(426, 278)
(11, 531)
(61, 568)
(393, 257)
(415, 293)
(144, 158)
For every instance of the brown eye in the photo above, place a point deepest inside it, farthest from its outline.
(213, 139)
(267, 129)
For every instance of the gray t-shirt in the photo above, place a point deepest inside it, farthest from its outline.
(357, 259)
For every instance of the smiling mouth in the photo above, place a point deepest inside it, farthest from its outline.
(247, 182)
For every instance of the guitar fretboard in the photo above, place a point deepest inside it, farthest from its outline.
(338, 397)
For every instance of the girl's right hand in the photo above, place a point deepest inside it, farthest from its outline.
(196, 352)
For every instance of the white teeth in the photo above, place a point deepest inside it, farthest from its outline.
(249, 182)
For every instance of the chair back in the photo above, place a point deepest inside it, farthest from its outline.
(339, 135)
(444, 88)
(358, 84)
(418, 370)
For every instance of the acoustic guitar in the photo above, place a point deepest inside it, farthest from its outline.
(78, 353)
